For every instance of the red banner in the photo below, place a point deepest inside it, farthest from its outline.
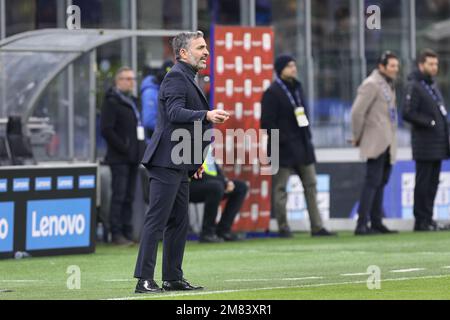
(243, 70)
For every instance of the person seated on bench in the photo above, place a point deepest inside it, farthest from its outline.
(211, 190)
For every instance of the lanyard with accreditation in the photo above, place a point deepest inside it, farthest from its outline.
(140, 131)
(435, 95)
(390, 100)
(299, 111)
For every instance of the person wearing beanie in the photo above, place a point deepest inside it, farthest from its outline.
(284, 108)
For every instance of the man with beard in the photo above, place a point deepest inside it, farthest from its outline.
(425, 109)
(374, 128)
(284, 108)
(182, 107)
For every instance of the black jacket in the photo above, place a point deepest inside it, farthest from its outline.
(181, 104)
(429, 143)
(278, 113)
(119, 128)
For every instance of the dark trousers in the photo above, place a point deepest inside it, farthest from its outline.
(123, 189)
(427, 183)
(371, 203)
(211, 192)
(167, 219)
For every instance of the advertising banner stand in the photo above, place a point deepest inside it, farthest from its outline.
(243, 69)
(47, 210)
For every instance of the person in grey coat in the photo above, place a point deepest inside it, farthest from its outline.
(374, 128)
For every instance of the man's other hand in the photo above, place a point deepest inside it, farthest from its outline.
(230, 186)
(199, 174)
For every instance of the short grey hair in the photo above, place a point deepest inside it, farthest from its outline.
(183, 40)
(120, 71)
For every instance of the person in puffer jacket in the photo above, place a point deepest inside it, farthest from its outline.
(425, 109)
(149, 97)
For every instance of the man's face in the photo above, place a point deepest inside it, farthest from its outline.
(430, 66)
(126, 80)
(392, 69)
(197, 54)
(290, 71)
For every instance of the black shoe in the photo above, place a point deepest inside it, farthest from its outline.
(121, 241)
(285, 233)
(130, 238)
(438, 226)
(424, 227)
(179, 285)
(365, 231)
(210, 238)
(228, 236)
(383, 229)
(147, 286)
(323, 233)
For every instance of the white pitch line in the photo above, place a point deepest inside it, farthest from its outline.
(447, 267)
(355, 274)
(120, 280)
(232, 280)
(150, 296)
(407, 270)
(267, 280)
(298, 279)
(249, 280)
(21, 281)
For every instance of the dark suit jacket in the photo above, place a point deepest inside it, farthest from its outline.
(278, 113)
(429, 143)
(181, 103)
(118, 126)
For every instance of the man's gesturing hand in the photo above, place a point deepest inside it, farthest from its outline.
(217, 116)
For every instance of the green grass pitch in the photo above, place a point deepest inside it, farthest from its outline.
(412, 265)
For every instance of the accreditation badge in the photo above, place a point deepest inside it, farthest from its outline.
(140, 133)
(443, 110)
(393, 114)
(302, 120)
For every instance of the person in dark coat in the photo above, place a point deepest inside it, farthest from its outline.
(183, 117)
(284, 108)
(425, 108)
(122, 129)
(211, 190)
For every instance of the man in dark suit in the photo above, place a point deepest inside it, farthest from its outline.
(425, 109)
(122, 129)
(284, 108)
(183, 111)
